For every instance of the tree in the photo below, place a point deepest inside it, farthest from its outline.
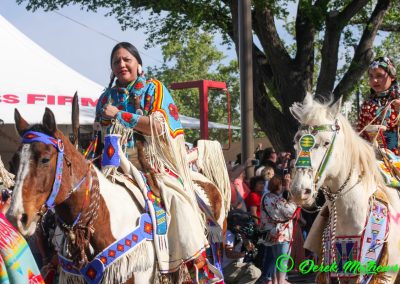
(193, 56)
(282, 75)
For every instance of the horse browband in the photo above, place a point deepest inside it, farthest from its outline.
(323, 127)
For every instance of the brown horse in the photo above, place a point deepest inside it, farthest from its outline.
(91, 210)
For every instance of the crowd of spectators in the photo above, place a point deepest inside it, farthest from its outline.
(281, 226)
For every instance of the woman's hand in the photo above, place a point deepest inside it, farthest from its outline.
(110, 111)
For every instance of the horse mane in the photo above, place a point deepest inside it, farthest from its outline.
(360, 154)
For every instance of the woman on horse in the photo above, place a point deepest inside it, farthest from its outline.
(143, 111)
(382, 106)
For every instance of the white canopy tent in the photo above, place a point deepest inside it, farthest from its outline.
(32, 79)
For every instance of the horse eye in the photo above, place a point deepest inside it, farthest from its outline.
(45, 160)
(326, 143)
(316, 146)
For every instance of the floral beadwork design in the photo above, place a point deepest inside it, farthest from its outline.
(173, 111)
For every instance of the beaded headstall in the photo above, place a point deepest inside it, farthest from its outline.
(307, 144)
(33, 136)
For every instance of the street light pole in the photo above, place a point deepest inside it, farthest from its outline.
(246, 82)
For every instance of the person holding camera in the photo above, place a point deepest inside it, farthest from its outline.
(239, 249)
(283, 163)
(277, 225)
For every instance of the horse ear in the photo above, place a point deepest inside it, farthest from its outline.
(335, 108)
(49, 121)
(20, 123)
(297, 108)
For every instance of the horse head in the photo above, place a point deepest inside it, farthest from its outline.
(318, 143)
(329, 151)
(40, 181)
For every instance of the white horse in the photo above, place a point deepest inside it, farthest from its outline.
(333, 157)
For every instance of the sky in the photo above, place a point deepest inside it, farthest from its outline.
(80, 48)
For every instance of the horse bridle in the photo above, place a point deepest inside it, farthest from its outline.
(307, 140)
(332, 197)
(34, 136)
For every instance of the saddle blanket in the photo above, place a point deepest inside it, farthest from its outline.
(353, 253)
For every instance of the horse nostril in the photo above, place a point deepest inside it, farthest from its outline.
(307, 191)
(24, 219)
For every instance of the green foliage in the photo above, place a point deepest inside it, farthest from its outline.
(209, 14)
(191, 57)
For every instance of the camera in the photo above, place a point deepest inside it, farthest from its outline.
(5, 194)
(255, 162)
(243, 225)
